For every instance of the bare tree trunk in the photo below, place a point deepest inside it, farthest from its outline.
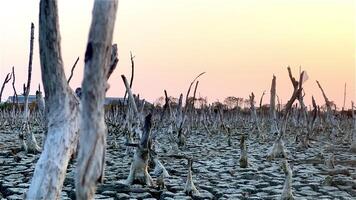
(287, 188)
(14, 99)
(190, 188)
(7, 79)
(254, 113)
(272, 109)
(343, 105)
(329, 115)
(132, 72)
(243, 152)
(353, 142)
(63, 110)
(91, 157)
(29, 137)
(278, 146)
(139, 165)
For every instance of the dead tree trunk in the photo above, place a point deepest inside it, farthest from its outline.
(40, 101)
(29, 137)
(190, 188)
(353, 142)
(278, 146)
(132, 73)
(138, 170)
(272, 109)
(243, 152)
(63, 105)
(62, 110)
(91, 155)
(287, 188)
(166, 107)
(254, 118)
(14, 98)
(7, 79)
(328, 104)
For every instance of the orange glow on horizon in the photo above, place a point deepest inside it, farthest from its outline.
(239, 44)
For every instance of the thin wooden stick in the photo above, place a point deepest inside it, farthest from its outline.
(27, 92)
(72, 70)
(132, 72)
(7, 79)
(131, 98)
(13, 87)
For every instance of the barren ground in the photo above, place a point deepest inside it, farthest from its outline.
(216, 171)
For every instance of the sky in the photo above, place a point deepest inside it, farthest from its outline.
(239, 44)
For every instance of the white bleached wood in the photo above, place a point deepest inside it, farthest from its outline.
(91, 157)
(62, 112)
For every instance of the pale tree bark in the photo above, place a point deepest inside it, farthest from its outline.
(303, 108)
(91, 157)
(62, 107)
(62, 110)
(139, 165)
(132, 72)
(278, 146)
(29, 137)
(272, 109)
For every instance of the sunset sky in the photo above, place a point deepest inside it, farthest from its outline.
(240, 44)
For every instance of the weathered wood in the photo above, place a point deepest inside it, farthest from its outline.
(253, 112)
(131, 98)
(272, 108)
(139, 165)
(29, 137)
(40, 100)
(14, 98)
(62, 110)
(92, 140)
(190, 188)
(7, 79)
(132, 72)
(243, 152)
(113, 61)
(353, 131)
(328, 104)
(287, 187)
